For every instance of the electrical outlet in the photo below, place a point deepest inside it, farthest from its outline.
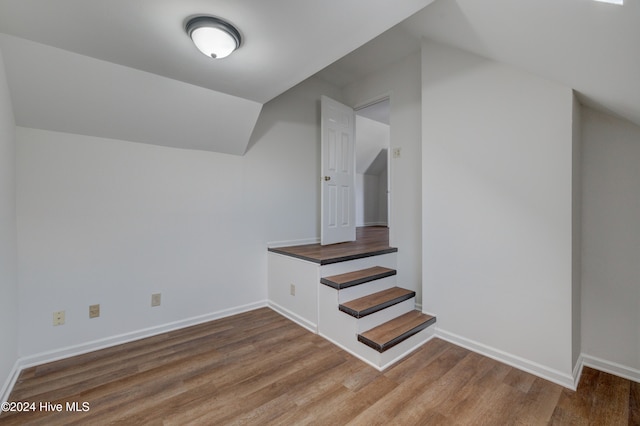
(94, 311)
(292, 289)
(155, 299)
(396, 152)
(58, 318)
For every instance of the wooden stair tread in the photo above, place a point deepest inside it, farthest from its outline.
(362, 276)
(391, 333)
(375, 302)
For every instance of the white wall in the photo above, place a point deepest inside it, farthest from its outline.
(111, 222)
(372, 137)
(360, 199)
(8, 240)
(383, 205)
(283, 165)
(371, 192)
(611, 241)
(497, 209)
(401, 81)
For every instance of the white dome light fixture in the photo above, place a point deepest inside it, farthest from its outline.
(214, 37)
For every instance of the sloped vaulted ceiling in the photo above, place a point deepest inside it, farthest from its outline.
(57, 90)
(589, 46)
(126, 69)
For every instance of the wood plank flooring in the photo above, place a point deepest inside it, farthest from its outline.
(370, 241)
(259, 368)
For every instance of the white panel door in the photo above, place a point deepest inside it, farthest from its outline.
(338, 173)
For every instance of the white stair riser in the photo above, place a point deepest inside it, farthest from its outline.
(361, 290)
(335, 325)
(370, 321)
(388, 260)
(383, 360)
(390, 356)
(343, 329)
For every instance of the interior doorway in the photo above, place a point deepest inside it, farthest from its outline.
(372, 148)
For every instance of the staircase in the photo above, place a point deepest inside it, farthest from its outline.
(364, 312)
(347, 293)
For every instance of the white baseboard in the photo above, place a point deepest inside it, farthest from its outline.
(577, 371)
(610, 367)
(294, 317)
(373, 224)
(55, 355)
(555, 376)
(10, 382)
(409, 351)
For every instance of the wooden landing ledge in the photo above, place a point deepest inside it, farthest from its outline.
(325, 255)
(370, 241)
(391, 333)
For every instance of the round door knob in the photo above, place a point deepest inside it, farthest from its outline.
(327, 178)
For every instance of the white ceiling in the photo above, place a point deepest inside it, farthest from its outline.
(591, 47)
(126, 69)
(57, 90)
(389, 47)
(284, 41)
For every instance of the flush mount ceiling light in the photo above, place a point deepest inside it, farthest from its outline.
(212, 36)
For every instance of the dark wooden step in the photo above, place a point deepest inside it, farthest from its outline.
(362, 276)
(389, 334)
(375, 302)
